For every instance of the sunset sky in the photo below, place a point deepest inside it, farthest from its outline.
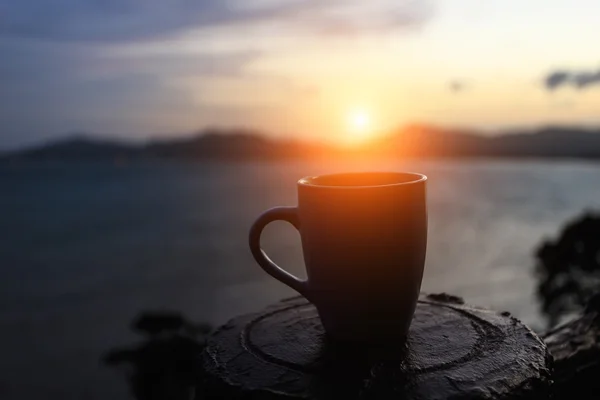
(330, 70)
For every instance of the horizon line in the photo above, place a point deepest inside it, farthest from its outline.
(113, 138)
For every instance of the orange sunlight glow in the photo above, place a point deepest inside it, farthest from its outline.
(359, 126)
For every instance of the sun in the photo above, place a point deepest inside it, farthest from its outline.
(359, 125)
(359, 120)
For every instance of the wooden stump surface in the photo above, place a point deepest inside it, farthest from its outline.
(453, 351)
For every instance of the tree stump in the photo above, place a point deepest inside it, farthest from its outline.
(453, 351)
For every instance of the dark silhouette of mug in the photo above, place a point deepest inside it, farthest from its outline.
(364, 237)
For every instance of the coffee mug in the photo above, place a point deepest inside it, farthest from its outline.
(364, 237)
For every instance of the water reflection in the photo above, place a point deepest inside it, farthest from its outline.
(85, 248)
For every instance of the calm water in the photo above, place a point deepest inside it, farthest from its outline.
(84, 248)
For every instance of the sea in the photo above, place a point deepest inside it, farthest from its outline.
(85, 247)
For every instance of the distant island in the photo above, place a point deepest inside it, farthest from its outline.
(421, 141)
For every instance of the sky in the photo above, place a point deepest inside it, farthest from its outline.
(322, 70)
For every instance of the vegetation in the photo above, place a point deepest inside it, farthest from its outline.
(568, 268)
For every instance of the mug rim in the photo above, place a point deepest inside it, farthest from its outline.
(308, 181)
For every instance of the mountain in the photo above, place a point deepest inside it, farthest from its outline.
(427, 141)
(411, 141)
(76, 147)
(549, 142)
(229, 145)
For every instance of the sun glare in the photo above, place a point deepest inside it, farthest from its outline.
(360, 120)
(359, 125)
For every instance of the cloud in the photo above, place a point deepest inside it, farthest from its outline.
(131, 20)
(83, 64)
(351, 18)
(584, 79)
(110, 20)
(577, 79)
(556, 79)
(50, 88)
(457, 86)
(187, 64)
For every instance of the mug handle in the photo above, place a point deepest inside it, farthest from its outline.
(288, 214)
